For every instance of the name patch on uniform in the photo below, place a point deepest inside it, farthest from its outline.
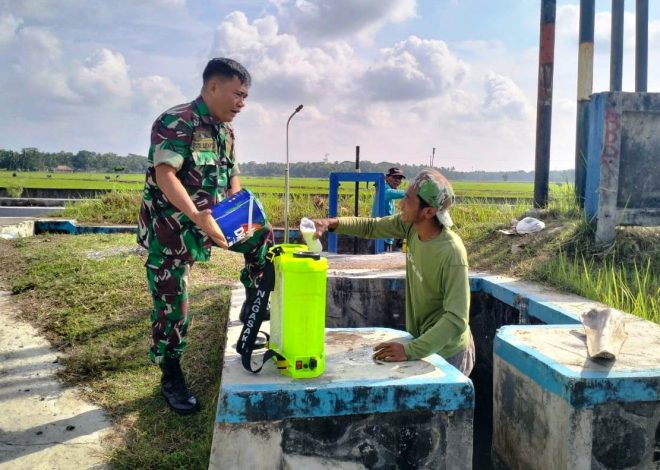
(202, 141)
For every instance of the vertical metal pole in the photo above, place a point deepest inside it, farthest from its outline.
(641, 44)
(332, 210)
(357, 194)
(616, 51)
(584, 89)
(544, 102)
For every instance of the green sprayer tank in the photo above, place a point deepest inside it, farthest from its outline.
(297, 310)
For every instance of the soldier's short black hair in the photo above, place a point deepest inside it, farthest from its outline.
(227, 68)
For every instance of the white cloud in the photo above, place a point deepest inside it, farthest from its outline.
(505, 99)
(35, 66)
(156, 94)
(334, 19)
(413, 69)
(8, 27)
(281, 68)
(102, 79)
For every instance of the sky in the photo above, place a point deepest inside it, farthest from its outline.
(396, 77)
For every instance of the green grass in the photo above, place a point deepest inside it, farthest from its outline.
(261, 185)
(41, 180)
(632, 288)
(561, 248)
(89, 295)
(116, 207)
(623, 275)
(121, 207)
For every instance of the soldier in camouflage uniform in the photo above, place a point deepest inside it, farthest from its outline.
(193, 165)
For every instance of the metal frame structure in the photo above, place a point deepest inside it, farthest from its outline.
(335, 179)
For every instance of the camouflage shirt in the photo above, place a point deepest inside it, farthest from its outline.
(188, 139)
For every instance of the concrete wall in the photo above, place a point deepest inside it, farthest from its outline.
(360, 413)
(365, 301)
(376, 299)
(555, 408)
(549, 407)
(536, 430)
(58, 193)
(375, 441)
(622, 163)
(16, 228)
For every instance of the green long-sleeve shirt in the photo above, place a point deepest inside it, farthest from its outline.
(437, 286)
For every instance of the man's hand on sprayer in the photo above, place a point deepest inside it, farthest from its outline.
(205, 221)
(323, 225)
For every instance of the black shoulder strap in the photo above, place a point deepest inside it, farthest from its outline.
(257, 311)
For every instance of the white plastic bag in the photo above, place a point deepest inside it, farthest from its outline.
(529, 225)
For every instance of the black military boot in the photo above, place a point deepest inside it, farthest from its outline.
(174, 389)
(250, 296)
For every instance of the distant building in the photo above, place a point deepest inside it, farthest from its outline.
(63, 169)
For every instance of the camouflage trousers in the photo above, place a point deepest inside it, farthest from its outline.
(168, 283)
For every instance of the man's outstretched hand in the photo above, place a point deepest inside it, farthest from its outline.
(390, 351)
(205, 221)
(323, 225)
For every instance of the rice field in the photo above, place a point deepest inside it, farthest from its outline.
(259, 185)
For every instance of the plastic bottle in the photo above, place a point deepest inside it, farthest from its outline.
(307, 229)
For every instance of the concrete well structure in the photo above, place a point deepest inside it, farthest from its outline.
(622, 162)
(538, 401)
(554, 408)
(358, 414)
(625, 429)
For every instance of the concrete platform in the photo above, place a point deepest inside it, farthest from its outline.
(16, 227)
(368, 291)
(554, 408)
(358, 414)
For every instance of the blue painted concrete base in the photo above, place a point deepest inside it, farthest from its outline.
(358, 413)
(353, 383)
(71, 227)
(555, 408)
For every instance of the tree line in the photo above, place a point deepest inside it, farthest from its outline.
(323, 170)
(32, 159)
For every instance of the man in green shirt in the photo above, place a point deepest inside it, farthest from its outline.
(437, 286)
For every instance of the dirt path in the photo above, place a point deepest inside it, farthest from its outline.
(43, 425)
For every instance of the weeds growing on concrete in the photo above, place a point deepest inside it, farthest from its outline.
(116, 207)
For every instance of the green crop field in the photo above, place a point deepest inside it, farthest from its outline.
(260, 185)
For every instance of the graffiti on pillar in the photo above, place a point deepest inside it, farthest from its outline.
(610, 156)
